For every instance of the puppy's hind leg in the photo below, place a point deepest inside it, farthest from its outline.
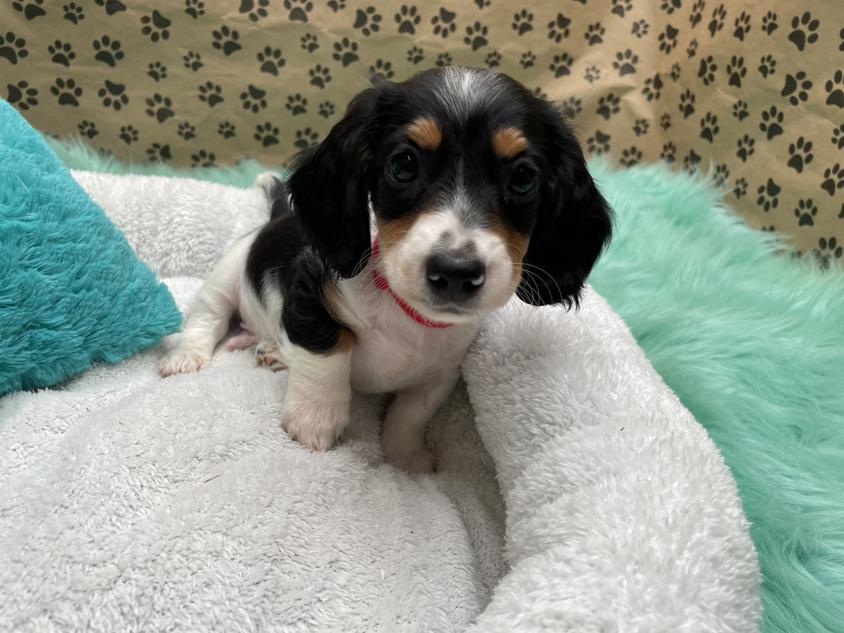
(210, 315)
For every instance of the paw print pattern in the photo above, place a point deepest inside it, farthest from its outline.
(717, 21)
(61, 53)
(599, 143)
(309, 42)
(493, 59)
(835, 89)
(226, 40)
(721, 175)
(640, 127)
(668, 153)
(769, 22)
(336, 5)
(367, 21)
(158, 153)
(22, 95)
(195, 8)
(838, 137)
(415, 55)
(833, 179)
(522, 22)
(571, 107)
(203, 158)
(706, 70)
(298, 10)
(88, 129)
(687, 103)
(128, 134)
(319, 76)
(408, 19)
(630, 156)
(805, 212)
(668, 39)
(107, 50)
(740, 110)
(746, 147)
(443, 59)
(527, 60)
(665, 121)
(709, 127)
(159, 107)
(476, 36)
(767, 66)
(254, 9)
(621, 7)
(653, 87)
(31, 9)
(381, 69)
(443, 23)
(691, 50)
(796, 88)
(696, 14)
(266, 134)
(155, 26)
(326, 109)
(592, 74)
(736, 71)
(113, 95)
(305, 138)
(157, 71)
(186, 131)
(768, 195)
(771, 122)
(669, 6)
(640, 28)
(111, 6)
(740, 188)
(594, 34)
(12, 48)
(345, 52)
(742, 26)
(691, 161)
(271, 60)
(73, 13)
(803, 30)
(67, 91)
(253, 99)
(827, 250)
(296, 104)
(608, 105)
(558, 28)
(192, 61)
(561, 65)
(210, 93)
(625, 62)
(227, 130)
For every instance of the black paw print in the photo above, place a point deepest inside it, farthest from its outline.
(255, 9)
(687, 103)
(736, 70)
(675, 72)
(668, 153)
(12, 47)
(227, 130)
(706, 70)
(408, 19)
(696, 14)
(108, 51)
(203, 158)
(641, 127)
(192, 61)
(740, 110)
(834, 92)
(796, 88)
(128, 134)
(653, 87)
(838, 137)
(594, 33)
(157, 71)
(769, 22)
(746, 148)
(691, 49)
(326, 109)
(598, 144)
(805, 212)
(443, 59)
(709, 127)
(415, 55)
(668, 39)
(640, 28)
(368, 21)
(226, 40)
(833, 179)
(210, 93)
(482, 4)
(561, 65)
(804, 30)
(31, 9)
(665, 121)
(159, 107)
(669, 6)
(621, 7)
(305, 138)
(253, 98)
(194, 8)
(319, 76)
(88, 129)
(67, 91)
(22, 95)
(558, 28)
(476, 36)
(742, 26)
(61, 53)
(625, 62)
(345, 51)
(158, 153)
(73, 13)
(539, 94)
(266, 134)
(717, 21)
(111, 6)
(608, 105)
(767, 66)
(527, 60)
(768, 195)
(522, 22)
(381, 69)
(155, 26)
(296, 104)
(299, 9)
(113, 95)
(443, 23)
(827, 250)
(740, 188)
(630, 156)
(493, 59)
(592, 74)
(721, 175)
(337, 5)
(571, 107)
(271, 60)
(309, 42)
(770, 124)
(186, 131)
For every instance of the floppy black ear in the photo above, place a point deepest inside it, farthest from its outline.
(573, 226)
(330, 187)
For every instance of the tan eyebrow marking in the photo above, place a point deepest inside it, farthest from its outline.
(425, 132)
(508, 142)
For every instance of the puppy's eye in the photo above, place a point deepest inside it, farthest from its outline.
(403, 167)
(523, 180)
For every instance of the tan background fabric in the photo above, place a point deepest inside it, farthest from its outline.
(752, 92)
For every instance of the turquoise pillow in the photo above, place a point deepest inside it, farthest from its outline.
(72, 290)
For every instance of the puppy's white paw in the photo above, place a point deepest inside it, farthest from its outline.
(413, 459)
(315, 426)
(266, 180)
(182, 361)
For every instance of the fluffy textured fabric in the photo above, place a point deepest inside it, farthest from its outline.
(179, 503)
(72, 292)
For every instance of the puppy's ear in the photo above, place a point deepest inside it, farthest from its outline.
(573, 226)
(330, 187)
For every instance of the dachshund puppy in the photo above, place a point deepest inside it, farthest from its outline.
(427, 207)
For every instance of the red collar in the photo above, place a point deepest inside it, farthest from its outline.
(382, 283)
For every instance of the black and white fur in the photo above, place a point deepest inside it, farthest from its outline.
(475, 189)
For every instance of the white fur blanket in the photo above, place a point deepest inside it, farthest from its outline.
(574, 492)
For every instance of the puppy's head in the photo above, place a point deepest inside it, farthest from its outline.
(478, 190)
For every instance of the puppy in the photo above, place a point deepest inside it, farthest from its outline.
(427, 207)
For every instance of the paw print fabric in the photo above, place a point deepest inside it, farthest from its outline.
(750, 93)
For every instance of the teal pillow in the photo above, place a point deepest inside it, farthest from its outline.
(72, 291)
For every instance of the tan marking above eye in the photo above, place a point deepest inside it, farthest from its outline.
(426, 133)
(508, 142)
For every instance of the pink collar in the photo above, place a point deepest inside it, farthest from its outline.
(382, 283)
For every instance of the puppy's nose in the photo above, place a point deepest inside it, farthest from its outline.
(454, 277)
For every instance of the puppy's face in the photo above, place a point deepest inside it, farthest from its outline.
(477, 187)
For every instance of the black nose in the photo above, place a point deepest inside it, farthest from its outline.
(454, 277)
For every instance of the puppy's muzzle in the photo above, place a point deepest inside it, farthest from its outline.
(454, 277)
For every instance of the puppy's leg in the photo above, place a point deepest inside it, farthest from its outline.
(403, 435)
(209, 316)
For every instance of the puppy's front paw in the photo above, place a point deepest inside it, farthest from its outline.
(416, 459)
(317, 427)
(182, 361)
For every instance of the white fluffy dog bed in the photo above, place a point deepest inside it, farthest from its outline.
(574, 492)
